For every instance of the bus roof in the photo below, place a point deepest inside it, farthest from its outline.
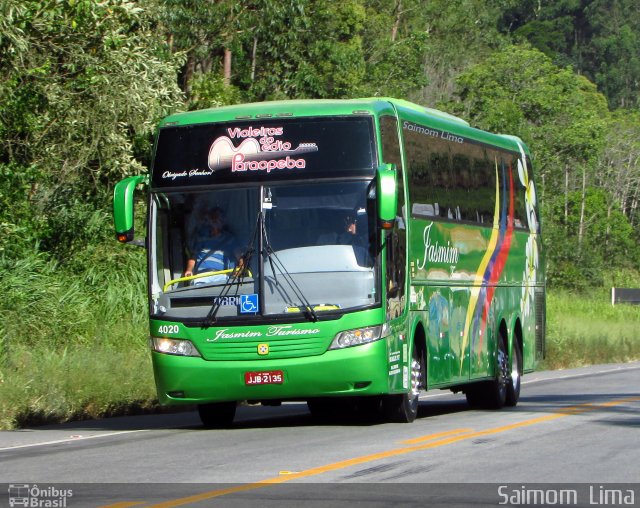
(338, 107)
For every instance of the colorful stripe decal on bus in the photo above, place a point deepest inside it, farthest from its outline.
(493, 263)
(499, 259)
(479, 289)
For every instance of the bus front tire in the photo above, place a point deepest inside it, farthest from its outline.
(217, 415)
(403, 408)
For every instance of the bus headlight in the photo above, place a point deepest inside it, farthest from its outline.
(359, 336)
(174, 346)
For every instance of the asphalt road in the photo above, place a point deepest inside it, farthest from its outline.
(578, 426)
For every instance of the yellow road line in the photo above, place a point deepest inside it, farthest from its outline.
(431, 437)
(459, 436)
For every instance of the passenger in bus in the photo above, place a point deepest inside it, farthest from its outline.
(213, 249)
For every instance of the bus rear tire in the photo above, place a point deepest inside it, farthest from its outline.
(513, 386)
(217, 415)
(492, 394)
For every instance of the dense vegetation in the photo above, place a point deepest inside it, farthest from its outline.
(83, 82)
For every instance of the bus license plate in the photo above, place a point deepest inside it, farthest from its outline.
(270, 377)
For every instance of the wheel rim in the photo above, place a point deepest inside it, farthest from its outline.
(416, 377)
(515, 372)
(503, 369)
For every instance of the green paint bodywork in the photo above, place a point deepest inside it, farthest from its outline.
(441, 306)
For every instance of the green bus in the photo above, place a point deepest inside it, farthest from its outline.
(346, 253)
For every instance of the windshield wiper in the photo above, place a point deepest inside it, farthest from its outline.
(235, 279)
(270, 254)
(238, 275)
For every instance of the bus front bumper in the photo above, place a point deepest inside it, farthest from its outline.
(360, 370)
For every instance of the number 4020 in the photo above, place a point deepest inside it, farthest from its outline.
(169, 329)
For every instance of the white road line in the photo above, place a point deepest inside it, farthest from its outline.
(72, 439)
(526, 381)
(569, 376)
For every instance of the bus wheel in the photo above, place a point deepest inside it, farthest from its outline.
(218, 414)
(475, 395)
(403, 408)
(492, 394)
(513, 385)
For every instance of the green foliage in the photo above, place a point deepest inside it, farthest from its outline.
(89, 297)
(295, 49)
(394, 42)
(599, 38)
(519, 90)
(609, 241)
(460, 34)
(82, 84)
(73, 338)
(84, 77)
(566, 123)
(618, 171)
(585, 330)
(559, 114)
(74, 383)
(304, 50)
(209, 91)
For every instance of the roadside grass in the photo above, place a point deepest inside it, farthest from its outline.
(586, 330)
(74, 384)
(73, 337)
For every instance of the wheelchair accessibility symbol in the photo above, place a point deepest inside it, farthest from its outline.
(249, 304)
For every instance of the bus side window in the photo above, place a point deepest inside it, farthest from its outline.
(396, 240)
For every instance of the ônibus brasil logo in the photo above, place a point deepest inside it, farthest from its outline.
(23, 494)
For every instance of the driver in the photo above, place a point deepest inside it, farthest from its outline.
(214, 250)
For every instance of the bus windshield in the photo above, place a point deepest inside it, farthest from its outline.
(263, 250)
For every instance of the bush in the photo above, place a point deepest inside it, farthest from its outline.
(74, 336)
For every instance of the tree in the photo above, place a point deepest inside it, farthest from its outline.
(309, 49)
(598, 38)
(562, 118)
(82, 84)
(619, 166)
(206, 32)
(395, 41)
(460, 34)
(614, 53)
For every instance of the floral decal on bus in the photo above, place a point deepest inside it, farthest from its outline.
(531, 252)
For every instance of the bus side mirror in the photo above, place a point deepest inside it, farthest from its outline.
(387, 192)
(123, 208)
